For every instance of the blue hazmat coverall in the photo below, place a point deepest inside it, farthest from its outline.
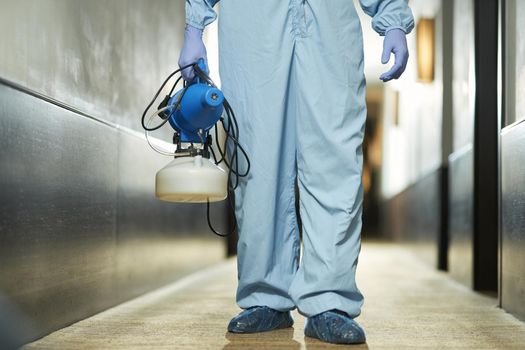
(293, 73)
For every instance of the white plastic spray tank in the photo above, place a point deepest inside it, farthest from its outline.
(194, 179)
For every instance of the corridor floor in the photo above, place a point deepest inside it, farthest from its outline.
(407, 305)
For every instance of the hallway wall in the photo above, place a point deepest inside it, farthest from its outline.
(461, 160)
(103, 57)
(512, 256)
(512, 262)
(515, 61)
(80, 228)
(472, 155)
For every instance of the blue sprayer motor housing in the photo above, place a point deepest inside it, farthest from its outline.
(201, 107)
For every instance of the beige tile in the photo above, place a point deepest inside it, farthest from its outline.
(408, 305)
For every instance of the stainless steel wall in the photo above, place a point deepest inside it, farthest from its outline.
(461, 163)
(512, 271)
(512, 253)
(463, 79)
(514, 60)
(80, 228)
(414, 217)
(461, 216)
(473, 168)
(103, 57)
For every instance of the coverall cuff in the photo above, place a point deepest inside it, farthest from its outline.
(200, 13)
(315, 305)
(195, 24)
(273, 301)
(405, 30)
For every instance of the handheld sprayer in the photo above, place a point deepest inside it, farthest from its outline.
(193, 112)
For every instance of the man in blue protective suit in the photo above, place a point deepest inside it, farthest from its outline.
(293, 73)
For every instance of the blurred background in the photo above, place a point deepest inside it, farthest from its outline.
(81, 230)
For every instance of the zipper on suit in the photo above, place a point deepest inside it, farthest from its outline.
(299, 17)
(305, 19)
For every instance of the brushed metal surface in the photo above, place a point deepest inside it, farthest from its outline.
(58, 188)
(413, 217)
(513, 220)
(106, 58)
(463, 80)
(461, 235)
(150, 233)
(514, 57)
(80, 229)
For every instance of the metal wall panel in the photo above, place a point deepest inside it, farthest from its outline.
(513, 219)
(460, 167)
(58, 208)
(514, 57)
(463, 80)
(413, 217)
(106, 58)
(152, 235)
(80, 229)
(461, 246)
(473, 166)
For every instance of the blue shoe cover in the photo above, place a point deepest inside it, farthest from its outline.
(336, 327)
(260, 319)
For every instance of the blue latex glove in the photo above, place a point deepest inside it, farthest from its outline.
(193, 49)
(395, 42)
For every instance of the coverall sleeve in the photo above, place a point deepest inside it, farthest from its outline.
(200, 13)
(389, 14)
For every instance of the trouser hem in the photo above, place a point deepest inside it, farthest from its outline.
(275, 302)
(329, 301)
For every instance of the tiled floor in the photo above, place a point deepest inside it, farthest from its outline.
(407, 305)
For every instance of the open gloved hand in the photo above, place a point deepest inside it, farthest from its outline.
(395, 42)
(193, 49)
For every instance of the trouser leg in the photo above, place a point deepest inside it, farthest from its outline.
(255, 59)
(330, 129)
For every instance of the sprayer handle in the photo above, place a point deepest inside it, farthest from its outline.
(203, 67)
